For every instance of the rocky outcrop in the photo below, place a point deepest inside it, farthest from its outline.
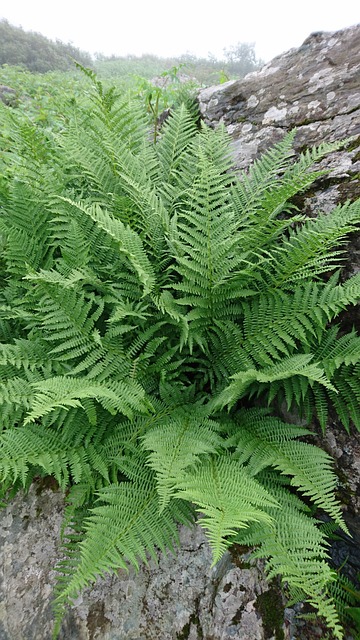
(179, 597)
(316, 89)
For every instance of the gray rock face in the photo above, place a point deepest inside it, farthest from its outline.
(179, 597)
(315, 88)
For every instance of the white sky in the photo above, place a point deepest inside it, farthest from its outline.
(172, 28)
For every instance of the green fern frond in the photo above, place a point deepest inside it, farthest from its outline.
(176, 135)
(274, 323)
(205, 242)
(168, 305)
(16, 391)
(324, 301)
(177, 444)
(263, 172)
(25, 228)
(347, 401)
(262, 441)
(63, 392)
(286, 369)
(24, 448)
(346, 597)
(265, 189)
(74, 246)
(67, 319)
(309, 250)
(117, 162)
(296, 550)
(228, 499)
(125, 527)
(67, 280)
(24, 354)
(337, 298)
(128, 242)
(339, 357)
(345, 351)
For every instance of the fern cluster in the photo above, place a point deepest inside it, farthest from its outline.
(156, 310)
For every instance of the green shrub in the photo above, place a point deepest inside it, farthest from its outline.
(156, 310)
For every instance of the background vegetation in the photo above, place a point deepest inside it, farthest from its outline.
(237, 62)
(35, 52)
(38, 54)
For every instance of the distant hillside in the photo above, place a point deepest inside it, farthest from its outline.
(36, 52)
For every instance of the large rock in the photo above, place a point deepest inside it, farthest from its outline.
(315, 88)
(179, 597)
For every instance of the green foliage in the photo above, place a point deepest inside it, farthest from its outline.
(235, 63)
(46, 100)
(35, 52)
(347, 600)
(164, 93)
(156, 310)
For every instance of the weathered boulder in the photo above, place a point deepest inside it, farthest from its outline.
(179, 597)
(316, 89)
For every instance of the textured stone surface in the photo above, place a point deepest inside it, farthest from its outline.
(29, 532)
(180, 597)
(316, 89)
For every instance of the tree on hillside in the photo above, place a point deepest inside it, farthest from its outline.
(241, 59)
(36, 52)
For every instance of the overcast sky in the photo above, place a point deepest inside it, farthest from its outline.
(171, 28)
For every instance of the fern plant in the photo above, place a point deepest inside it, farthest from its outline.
(156, 311)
